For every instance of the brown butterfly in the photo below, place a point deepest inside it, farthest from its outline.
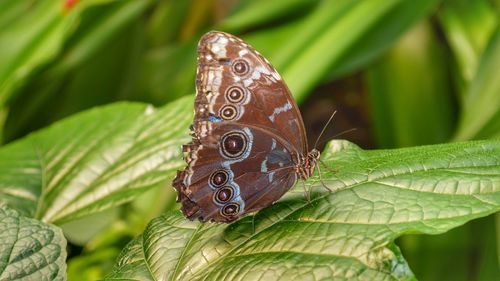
(249, 145)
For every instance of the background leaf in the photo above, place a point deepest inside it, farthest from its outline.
(468, 26)
(410, 94)
(30, 250)
(100, 22)
(413, 190)
(38, 44)
(481, 108)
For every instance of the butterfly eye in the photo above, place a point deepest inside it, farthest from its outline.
(233, 144)
(223, 195)
(218, 178)
(228, 112)
(230, 209)
(240, 67)
(235, 94)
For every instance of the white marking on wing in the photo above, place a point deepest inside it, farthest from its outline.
(287, 106)
(247, 82)
(263, 166)
(218, 46)
(271, 175)
(256, 74)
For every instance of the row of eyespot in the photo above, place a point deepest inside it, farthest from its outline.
(224, 193)
(234, 94)
(233, 144)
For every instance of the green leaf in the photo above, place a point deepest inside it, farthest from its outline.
(382, 35)
(94, 160)
(165, 21)
(30, 250)
(332, 40)
(481, 107)
(431, 257)
(468, 25)
(177, 63)
(131, 265)
(260, 12)
(34, 38)
(378, 196)
(335, 39)
(409, 92)
(99, 23)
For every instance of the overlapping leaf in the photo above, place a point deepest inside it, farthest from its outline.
(378, 196)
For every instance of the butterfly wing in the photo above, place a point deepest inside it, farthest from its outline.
(247, 134)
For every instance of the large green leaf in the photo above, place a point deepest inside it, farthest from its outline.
(348, 233)
(30, 249)
(94, 160)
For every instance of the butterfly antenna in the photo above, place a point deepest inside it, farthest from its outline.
(342, 133)
(324, 128)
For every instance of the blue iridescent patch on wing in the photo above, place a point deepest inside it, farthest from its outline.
(214, 118)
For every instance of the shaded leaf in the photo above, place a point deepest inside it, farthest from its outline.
(43, 26)
(260, 12)
(335, 39)
(131, 265)
(382, 35)
(378, 196)
(30, 249)
(409, 92)
(332, 42)
(468, 26)
(99, 22)
(481, 107)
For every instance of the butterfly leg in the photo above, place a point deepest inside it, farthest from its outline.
(321, 180)
(327, 167)
(307, 193)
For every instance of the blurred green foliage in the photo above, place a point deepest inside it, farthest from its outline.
(429, 69)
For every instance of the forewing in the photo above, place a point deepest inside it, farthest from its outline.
(235, 83)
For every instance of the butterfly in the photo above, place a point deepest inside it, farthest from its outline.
(248, 143)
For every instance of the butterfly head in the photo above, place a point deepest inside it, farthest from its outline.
(305, 167)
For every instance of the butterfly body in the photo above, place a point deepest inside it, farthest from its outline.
(249, 145)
